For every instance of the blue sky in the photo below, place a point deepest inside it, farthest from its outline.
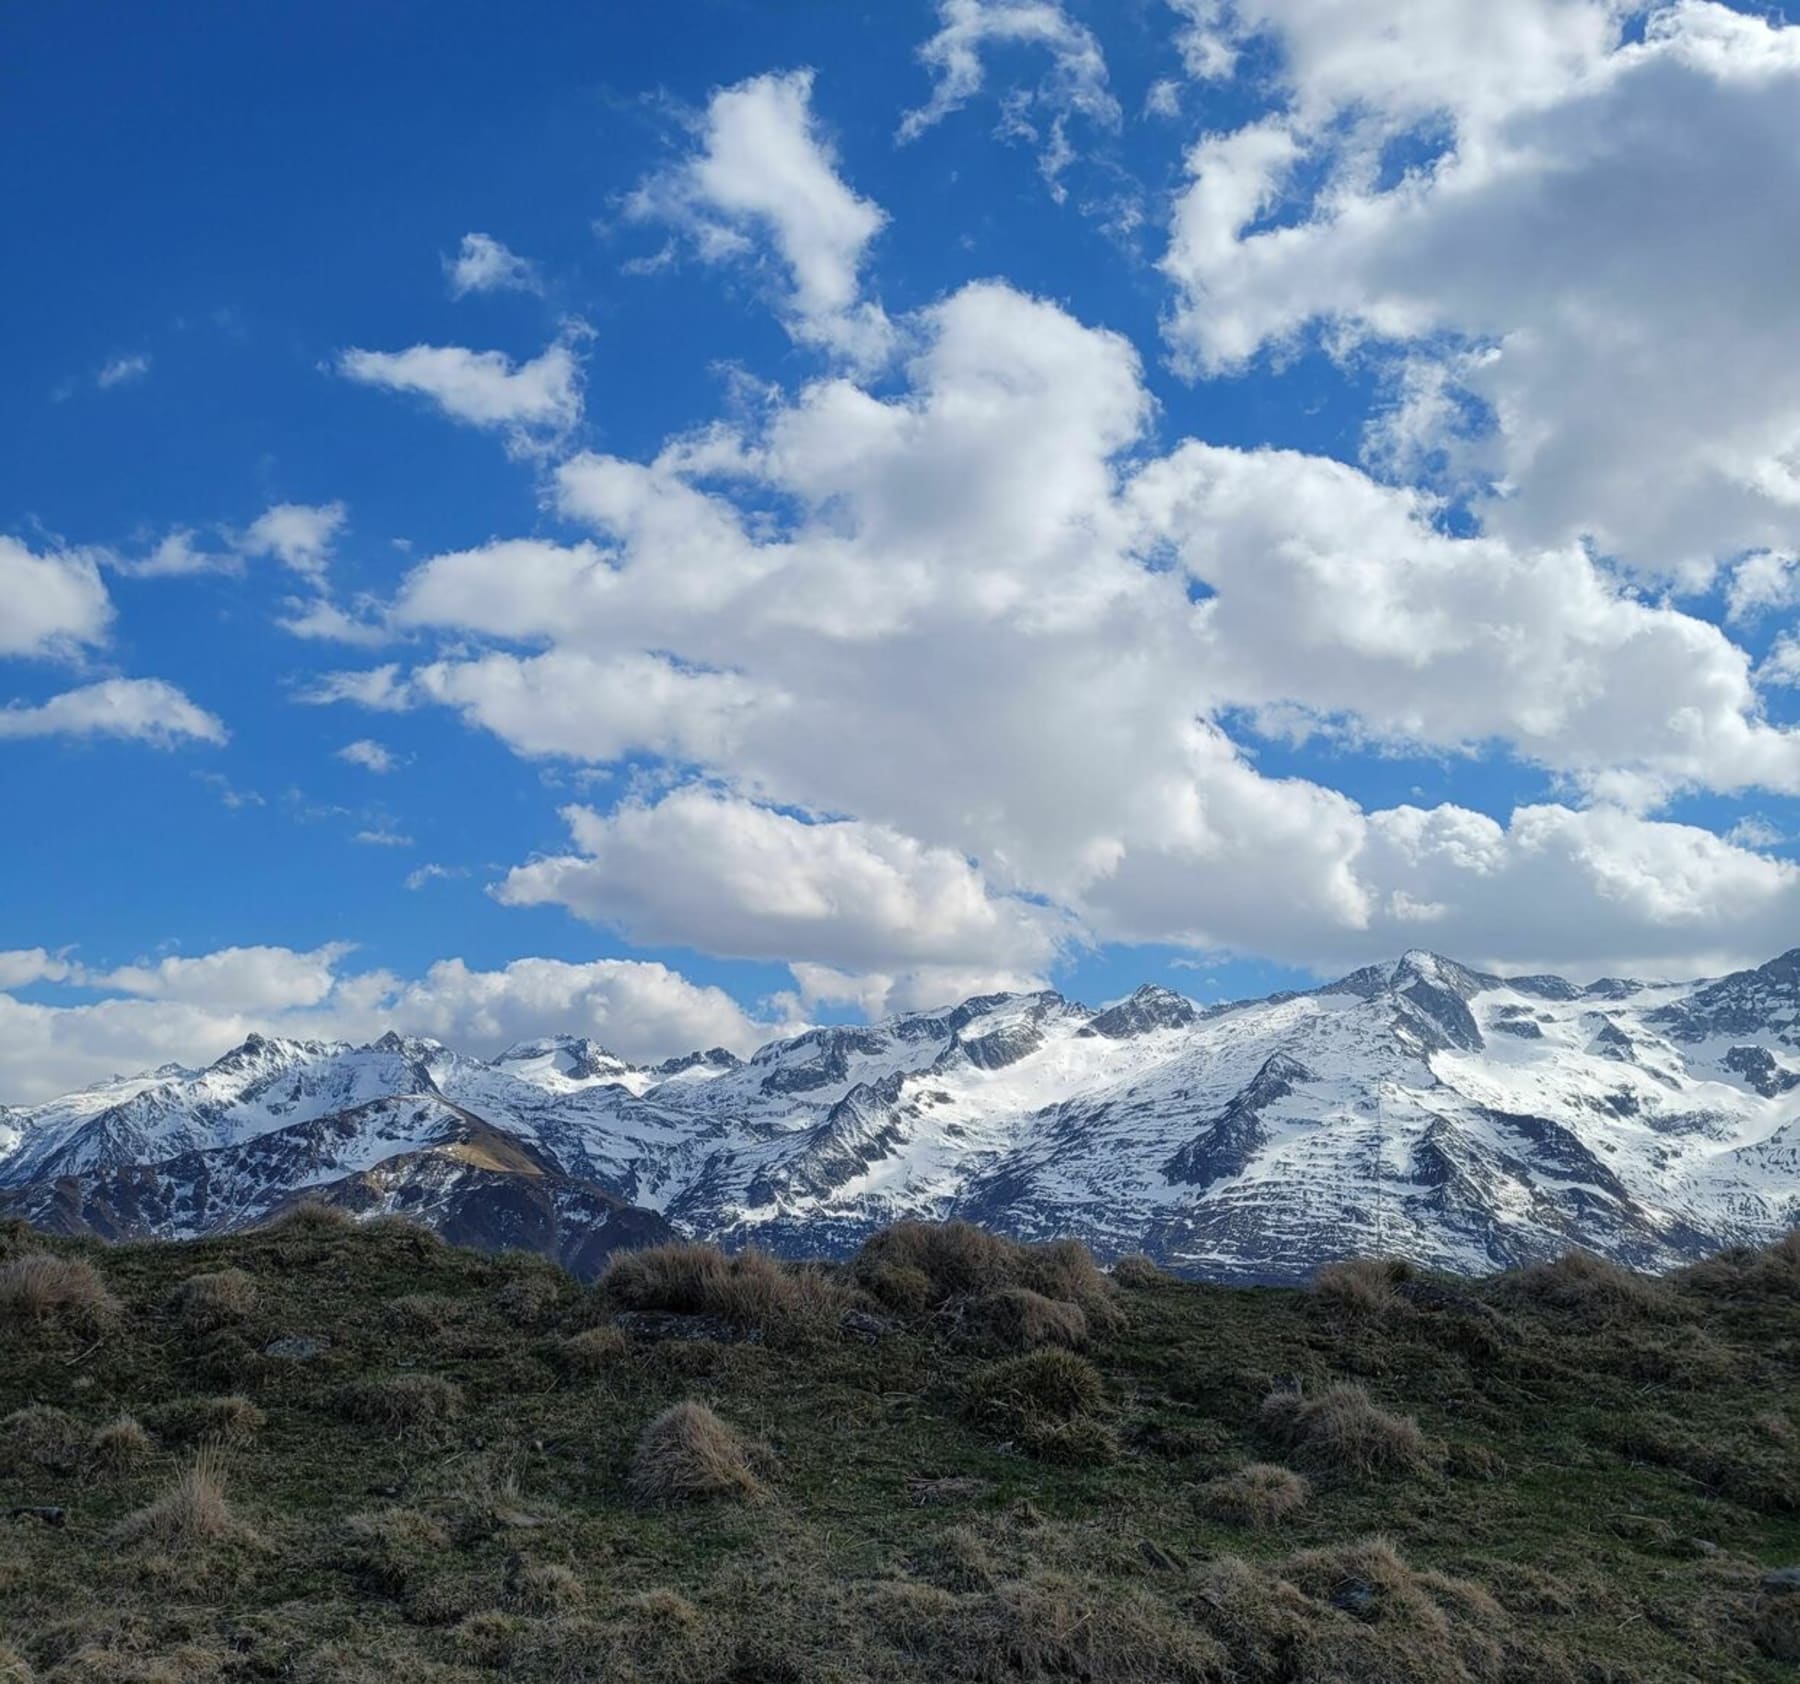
(895, 502)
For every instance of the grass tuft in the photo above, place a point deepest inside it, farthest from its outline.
(403, 1403)
(1342, 1428)
(38, 1287)
(1017, 1319)
(1363, 1286)
(687, 1453)
(1258, 1496)
(593, 1350)
(216, 1298)
(192, 1513)
(122, 1443)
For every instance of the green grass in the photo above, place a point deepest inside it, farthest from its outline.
(1601, 1494)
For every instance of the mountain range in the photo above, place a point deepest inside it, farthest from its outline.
(1418, 1108)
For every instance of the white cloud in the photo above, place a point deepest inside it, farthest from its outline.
(1076, 84)
(483, 264)
(433, 873)
(1760, 583)
(22, 966)
(121, 371)
(319, 619)
(764, 170)
(192, 1010)
(1583, 298)
(244, 979)
(382, 838)
(144, 709)
(1592, 890)
(50, 604)
(878, 994)
(703, 869)
(1337, 594)
(1754, 832)
(368, 754)
(483, 388)
(298, 535)
(177, 555)
(382, 689)
(1780, 668)
(979, 632)
(1163, 99)
(968, 28)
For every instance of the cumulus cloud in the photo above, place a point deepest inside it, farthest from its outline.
(249, 979)
(1579, 298)
(763, 171)
(190, 1010)
(989, 626)
(50, 604)
(298, 535)
(22, 966)
(146, 710)
(483, 264)
(483, 388)
(704, 869)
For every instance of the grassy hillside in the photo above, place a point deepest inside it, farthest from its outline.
(320, 1452)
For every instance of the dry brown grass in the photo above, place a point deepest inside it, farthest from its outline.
(1137, 1271)
(593, 1350)
(748, 1289)
(36, 1287)
(311, 1217)
(192, 1513)
(1342, 1428)
(14, 1668)
(1358, 1614)
(1771, 1271)
(215, 1299)
(187, 1420)
(1017, 1319)
(121, 1443)
(1046, 1625)
(918, 1266)
(405, 1403)
(548, 1588)
(1258, 1495)
(687, 1453)
(1363, 1286)
(45, 1436)
(1589, 1290)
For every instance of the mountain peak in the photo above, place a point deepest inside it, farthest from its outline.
(1150, 1007)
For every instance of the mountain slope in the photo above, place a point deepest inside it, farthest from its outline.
(1417, 1107)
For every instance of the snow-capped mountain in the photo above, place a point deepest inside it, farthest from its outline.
(1415, 1107)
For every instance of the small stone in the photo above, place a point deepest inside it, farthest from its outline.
(296, 1347)
(859, 1324)
(1354, 1597)
(1782, 1581)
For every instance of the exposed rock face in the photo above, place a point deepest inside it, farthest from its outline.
(1419, 1107)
